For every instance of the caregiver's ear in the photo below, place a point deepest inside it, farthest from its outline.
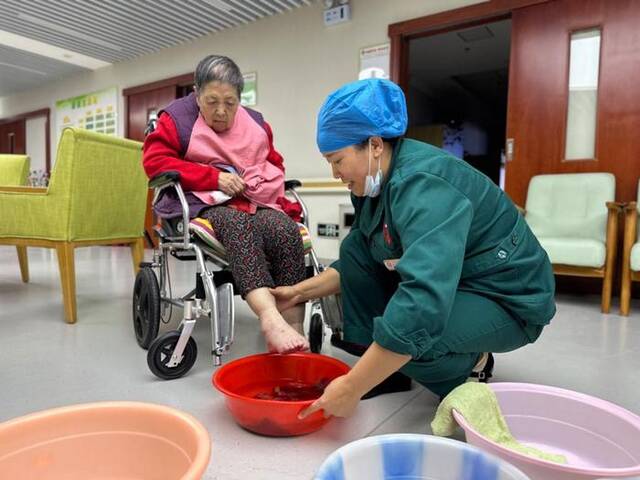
(377, 145)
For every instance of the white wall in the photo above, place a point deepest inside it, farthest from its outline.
(36, 142)
(297, 59)
(324, 205)
(298, 62)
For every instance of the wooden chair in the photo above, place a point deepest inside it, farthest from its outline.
(630, 255)
(575, 218)
(14, 171)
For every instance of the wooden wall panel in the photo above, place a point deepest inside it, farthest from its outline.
(538, 92)
(13, 137)
(619, 95)
(139, 104)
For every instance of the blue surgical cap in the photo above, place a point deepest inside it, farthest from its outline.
(356, 111)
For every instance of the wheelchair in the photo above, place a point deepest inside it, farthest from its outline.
(172, 354)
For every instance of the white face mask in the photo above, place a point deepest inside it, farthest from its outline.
(372, 185)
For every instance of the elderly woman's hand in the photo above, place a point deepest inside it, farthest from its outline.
(230, 183)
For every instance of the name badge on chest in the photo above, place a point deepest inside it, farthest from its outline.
(386, 235)
(390, 263)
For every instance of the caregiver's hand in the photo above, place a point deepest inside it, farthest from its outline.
(286, 297)
(339, 399)
(230, 183)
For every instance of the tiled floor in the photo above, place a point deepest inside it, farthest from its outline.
(46, 363)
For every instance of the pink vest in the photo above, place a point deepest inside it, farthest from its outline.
(245, 146)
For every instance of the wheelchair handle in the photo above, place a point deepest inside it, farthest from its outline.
(164, 178)
(292, 184)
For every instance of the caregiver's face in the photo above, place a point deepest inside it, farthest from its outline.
(349, 164)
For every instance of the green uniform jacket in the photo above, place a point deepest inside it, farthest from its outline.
(448, 227)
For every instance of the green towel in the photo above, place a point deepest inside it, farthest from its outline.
(477, 403)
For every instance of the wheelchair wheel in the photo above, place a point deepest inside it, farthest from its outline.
(316, 333)
(146, 307)
(160, 353)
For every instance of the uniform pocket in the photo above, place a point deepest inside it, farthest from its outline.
(380, 251)
(496, 257)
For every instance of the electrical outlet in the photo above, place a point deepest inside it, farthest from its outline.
(331, 230)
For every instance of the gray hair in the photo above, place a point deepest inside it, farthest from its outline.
(218, 68)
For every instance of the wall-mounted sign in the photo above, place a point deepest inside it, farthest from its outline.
(249, 95)
(95, 111)
(374, 62)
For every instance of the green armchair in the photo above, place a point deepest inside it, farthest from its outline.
(96, 196)
(630, 253)
(14, 170)
(575, 218)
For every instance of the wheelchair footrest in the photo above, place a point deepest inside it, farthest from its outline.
(183, 255)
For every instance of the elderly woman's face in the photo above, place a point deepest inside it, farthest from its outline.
(350, 165)
(218, 103)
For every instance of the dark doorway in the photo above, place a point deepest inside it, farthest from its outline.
(457, 93)
(13, 137)
(144, 101)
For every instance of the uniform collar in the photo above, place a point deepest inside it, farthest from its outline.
(372, 208)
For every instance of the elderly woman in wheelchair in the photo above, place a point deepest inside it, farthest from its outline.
(214, 168)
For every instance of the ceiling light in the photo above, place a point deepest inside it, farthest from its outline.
(68, 31)
(50, 51)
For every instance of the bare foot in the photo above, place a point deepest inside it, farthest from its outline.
(281, 337)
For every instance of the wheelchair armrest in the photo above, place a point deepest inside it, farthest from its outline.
(164, 179)
(171, 179)
(292, 184)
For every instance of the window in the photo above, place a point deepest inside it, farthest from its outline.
(584, 65)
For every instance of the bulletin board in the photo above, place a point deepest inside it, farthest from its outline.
(95, 111)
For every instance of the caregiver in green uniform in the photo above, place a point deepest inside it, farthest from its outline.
(439, 268)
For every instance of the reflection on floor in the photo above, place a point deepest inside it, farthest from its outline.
(46, 363)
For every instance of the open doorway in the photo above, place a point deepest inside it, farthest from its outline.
(457, 93)
(28, 134)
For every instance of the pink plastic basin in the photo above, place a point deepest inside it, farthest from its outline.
(598, 438)
(106, 441)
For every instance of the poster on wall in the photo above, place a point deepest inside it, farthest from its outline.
(249, 95)
(95, 111)
(374, 62)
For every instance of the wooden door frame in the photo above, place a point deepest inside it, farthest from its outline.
(127, 93)
(402, 32)
(43, 112)
(176, 81)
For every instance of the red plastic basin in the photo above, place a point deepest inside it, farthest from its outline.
(240, 380)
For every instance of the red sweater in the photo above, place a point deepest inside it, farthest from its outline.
(162, 154)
